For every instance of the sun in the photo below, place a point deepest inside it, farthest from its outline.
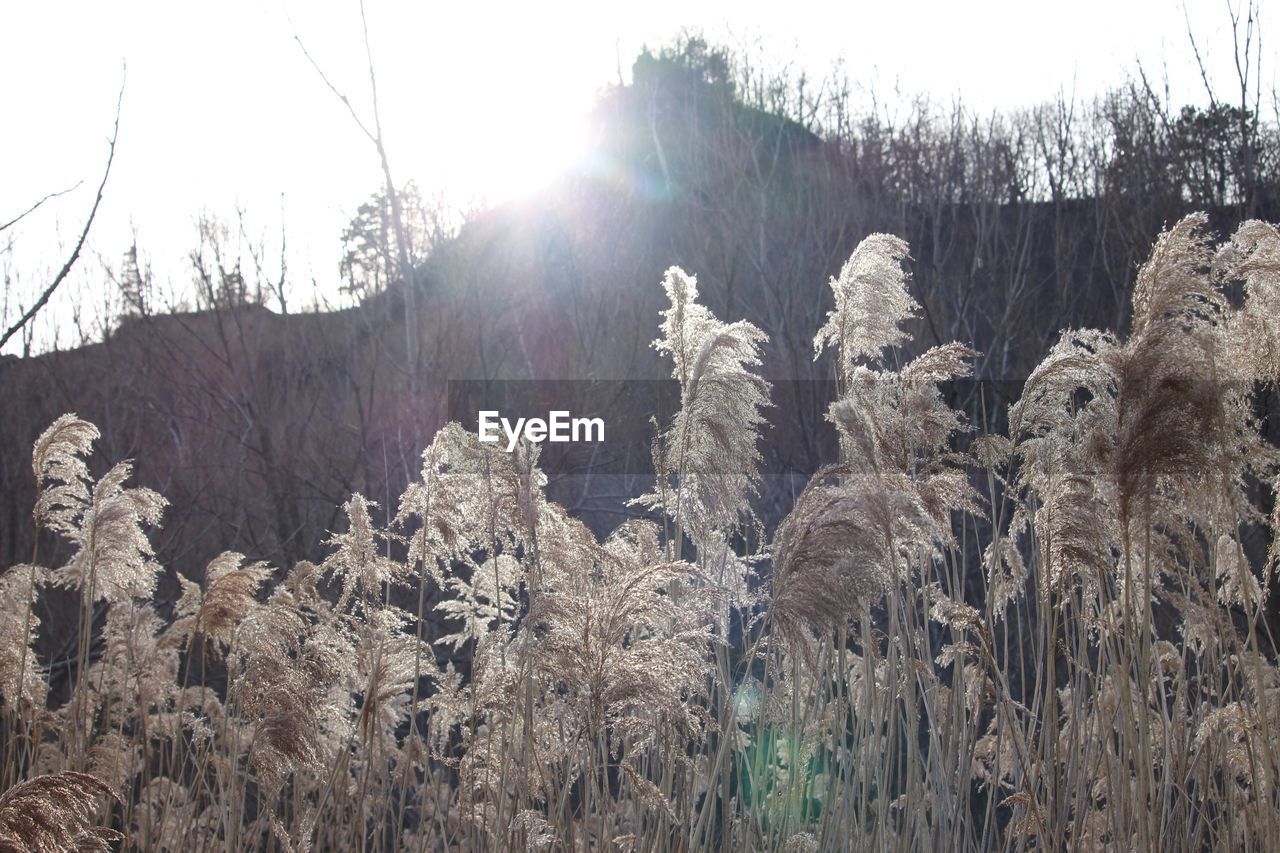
(500, 121)
(537, 158)
(528, 156)
(506, 153)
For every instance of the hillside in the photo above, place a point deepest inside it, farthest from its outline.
(257, 426)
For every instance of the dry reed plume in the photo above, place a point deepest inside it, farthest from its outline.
(1056, 638)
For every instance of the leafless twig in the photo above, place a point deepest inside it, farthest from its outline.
(33, 208)
(84, 234)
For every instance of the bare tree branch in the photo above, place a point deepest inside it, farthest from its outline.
(1195, 48)
(33, 208)
(1159, 107)
(84, 233)
(332, 88)
(397, 213)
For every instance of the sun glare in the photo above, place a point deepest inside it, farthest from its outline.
(513, 116)
(529, 156)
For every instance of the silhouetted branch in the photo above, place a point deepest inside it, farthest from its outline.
(397, 214)
(1195, 48)
(33, 208)
(332, 88)
(84, 233)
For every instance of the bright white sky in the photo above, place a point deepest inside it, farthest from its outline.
(480, 100)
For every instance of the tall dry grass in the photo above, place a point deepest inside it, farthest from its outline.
(1102, 676)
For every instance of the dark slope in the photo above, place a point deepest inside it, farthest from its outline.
(256, 426)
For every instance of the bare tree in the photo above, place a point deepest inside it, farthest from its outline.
(373, 131)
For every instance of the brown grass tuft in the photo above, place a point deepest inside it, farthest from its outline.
(55, 813)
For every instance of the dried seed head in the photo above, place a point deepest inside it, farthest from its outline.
(55, 813)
